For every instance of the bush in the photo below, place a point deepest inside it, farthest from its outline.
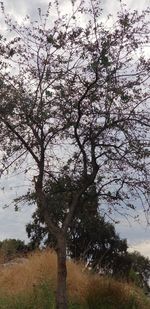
(111, 294)
(9, 248)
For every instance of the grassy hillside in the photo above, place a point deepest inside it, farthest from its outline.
(32, 284)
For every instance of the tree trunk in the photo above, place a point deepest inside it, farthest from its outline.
(61, 293)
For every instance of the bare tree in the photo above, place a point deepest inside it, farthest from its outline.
(75, 103)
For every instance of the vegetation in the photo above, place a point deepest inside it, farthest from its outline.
(74, 105)
(11, 248)
(94, 241)
(90, 238)
(32, 285)
(138, 268)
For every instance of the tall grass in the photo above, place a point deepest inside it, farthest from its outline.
(33, 285)
(111, 294)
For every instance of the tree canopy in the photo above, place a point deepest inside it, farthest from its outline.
(73, 111)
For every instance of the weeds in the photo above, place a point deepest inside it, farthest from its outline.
(32, 285)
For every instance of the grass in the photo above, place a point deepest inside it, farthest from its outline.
(32, 285)
(111, 294)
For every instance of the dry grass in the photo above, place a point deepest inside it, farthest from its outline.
(23, 277)
(107, 286)
(82, 285)
(2, 257)
(77, 281)
(38, 267)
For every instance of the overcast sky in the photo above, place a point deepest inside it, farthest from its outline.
(12, 224)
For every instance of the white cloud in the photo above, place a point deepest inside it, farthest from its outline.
(112, 7)
(134, 231)
(142, 247)
(12, 224)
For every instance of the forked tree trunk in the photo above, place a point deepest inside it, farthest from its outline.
(61, 293)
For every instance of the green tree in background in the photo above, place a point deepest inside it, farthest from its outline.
(90, 238)
(10, 248)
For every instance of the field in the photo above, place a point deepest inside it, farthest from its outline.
(32, 285)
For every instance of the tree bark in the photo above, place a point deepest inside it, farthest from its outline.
(61, 293)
